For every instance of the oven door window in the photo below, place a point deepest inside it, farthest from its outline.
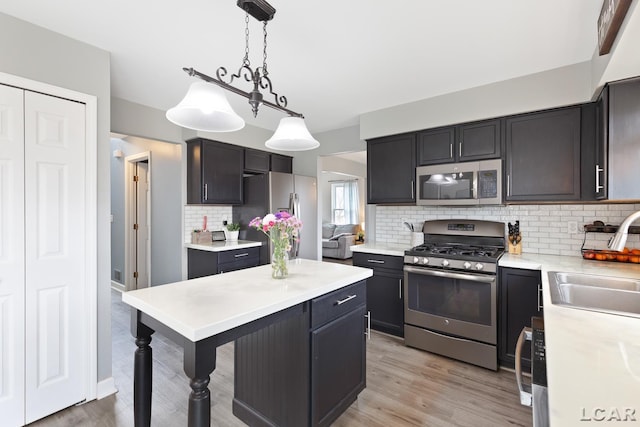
(465, 300)
(446, 186)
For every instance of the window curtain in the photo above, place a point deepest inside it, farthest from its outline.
(345, 202)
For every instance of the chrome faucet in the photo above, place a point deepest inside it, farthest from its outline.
(619, 239)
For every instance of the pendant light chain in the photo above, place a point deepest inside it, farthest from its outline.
(264, 61)
(245, 61)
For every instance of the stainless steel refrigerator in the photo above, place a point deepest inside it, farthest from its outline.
(277, 192)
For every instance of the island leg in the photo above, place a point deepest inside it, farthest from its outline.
(199, 363)
(142, 372)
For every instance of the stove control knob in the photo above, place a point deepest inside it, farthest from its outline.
(479, 266)
(466, 265)
(425, 260)
(416, 260)
(445, 263)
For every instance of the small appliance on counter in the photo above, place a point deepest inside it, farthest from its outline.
(534, 394)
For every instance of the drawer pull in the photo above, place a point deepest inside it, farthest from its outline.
(349, 298)
(241, 255)
(375, 261)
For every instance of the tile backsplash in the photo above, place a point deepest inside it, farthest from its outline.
(193, 215)
(546, 229)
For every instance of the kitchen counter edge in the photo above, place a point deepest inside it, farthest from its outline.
(380, 248)
(222, 245)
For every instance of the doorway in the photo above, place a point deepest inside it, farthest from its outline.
(138, 221)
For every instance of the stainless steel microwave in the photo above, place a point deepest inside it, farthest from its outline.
(468, 183)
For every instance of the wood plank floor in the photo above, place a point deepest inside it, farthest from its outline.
(405, 387)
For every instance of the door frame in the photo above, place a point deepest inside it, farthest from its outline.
(129, 203)
(90, 212)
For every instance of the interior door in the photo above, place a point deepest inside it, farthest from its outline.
(11, 256)
(142, 219)
(55, 234)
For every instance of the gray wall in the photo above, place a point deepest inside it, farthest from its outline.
(554, 88)
(51, 58)
(166, 207)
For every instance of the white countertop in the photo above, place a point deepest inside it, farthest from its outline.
(593, 359)
(200, 308)
(225, 245)
(380, 248)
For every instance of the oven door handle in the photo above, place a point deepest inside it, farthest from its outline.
(450, 274)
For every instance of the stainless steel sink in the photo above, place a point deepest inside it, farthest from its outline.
(605, 294)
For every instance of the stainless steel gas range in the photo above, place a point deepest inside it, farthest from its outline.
(451, 290)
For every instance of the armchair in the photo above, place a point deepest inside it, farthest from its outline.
(338, 239)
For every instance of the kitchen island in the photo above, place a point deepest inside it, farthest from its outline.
(323, 300)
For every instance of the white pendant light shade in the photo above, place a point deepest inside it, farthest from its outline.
(205, 107)
(292, 135)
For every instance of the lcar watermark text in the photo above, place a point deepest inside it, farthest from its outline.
(608, 414)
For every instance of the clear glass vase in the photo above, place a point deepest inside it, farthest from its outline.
(279, 264)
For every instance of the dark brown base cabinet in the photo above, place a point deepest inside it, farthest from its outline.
(206, 263)
(305, 370)
(519, 299)
(385, 301)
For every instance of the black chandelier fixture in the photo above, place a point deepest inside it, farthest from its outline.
(206, 108)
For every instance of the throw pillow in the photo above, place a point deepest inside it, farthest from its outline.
(327, 230)
(337, 236)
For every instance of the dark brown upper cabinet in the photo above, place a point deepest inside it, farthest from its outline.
(214, 172)
(620, 141)
(542, 160)
(256, 161)
(391, 169)
(281, 163)
(461, 143)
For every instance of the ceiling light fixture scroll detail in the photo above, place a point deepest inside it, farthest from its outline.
(206, 108)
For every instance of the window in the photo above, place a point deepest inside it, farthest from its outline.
(344, 202)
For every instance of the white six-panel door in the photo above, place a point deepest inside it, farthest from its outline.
(12, 278)
(43, 315)
(54, 255)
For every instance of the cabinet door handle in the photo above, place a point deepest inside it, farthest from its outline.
(342, 301)
(241, 255)
(598, 186)
(460, 149)
(451, 150)
(206, 191)
(508, 185)
(540, 304)
(400, 288)
(412, 189)
(368, 331)
(375, 261)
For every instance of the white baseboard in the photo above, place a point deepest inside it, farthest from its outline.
(106, 388)
(117, 286)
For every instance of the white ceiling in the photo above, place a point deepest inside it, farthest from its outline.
(333, 59)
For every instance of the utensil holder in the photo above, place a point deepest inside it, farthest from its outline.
(416, 239)
(515, 249)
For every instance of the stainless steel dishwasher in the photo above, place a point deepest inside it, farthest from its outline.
(534, 394)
